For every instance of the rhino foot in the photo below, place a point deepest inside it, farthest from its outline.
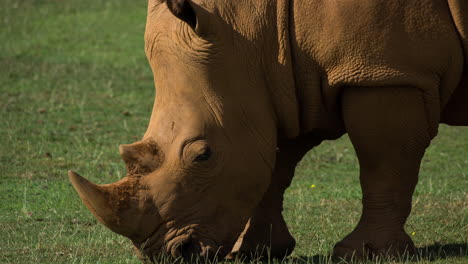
(365, 243)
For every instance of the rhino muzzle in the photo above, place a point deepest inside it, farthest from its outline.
(125, 209)
(193, 250)
(197, 251)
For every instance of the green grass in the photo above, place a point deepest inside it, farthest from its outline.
(75, 83)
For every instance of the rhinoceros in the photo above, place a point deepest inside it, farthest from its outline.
(246, 88)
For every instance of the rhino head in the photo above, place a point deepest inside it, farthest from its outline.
(207, 156)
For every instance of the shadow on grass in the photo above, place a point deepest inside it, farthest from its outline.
(441, 251)
(430, 253)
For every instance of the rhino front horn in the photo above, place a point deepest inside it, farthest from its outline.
(119, 205)
(95, 197)
(105, 202)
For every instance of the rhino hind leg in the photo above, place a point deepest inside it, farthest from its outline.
(390, 132)
(266, 234)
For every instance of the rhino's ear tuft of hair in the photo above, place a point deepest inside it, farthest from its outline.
(183, 10)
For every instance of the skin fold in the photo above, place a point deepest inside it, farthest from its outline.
(246, 88)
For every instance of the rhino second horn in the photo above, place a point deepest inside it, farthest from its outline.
(128, 152)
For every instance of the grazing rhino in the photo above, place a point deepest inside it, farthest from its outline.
(246, 88)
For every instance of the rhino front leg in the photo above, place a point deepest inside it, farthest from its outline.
(266, 234)
(390, 132)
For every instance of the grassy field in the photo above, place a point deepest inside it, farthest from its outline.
(75, 83)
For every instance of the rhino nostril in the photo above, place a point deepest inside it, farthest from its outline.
(187, 250)
(190, 251)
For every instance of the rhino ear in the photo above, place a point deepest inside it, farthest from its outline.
(183, 10)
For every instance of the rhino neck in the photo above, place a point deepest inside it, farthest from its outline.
(268, 31)
(295, 81)
(279, 72)
(305, 101)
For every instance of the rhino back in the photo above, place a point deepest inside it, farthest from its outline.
(343, 43)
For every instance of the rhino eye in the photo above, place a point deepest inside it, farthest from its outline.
(205, 155)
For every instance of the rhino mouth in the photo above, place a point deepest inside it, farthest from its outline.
(183, 244)
(198, 251)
